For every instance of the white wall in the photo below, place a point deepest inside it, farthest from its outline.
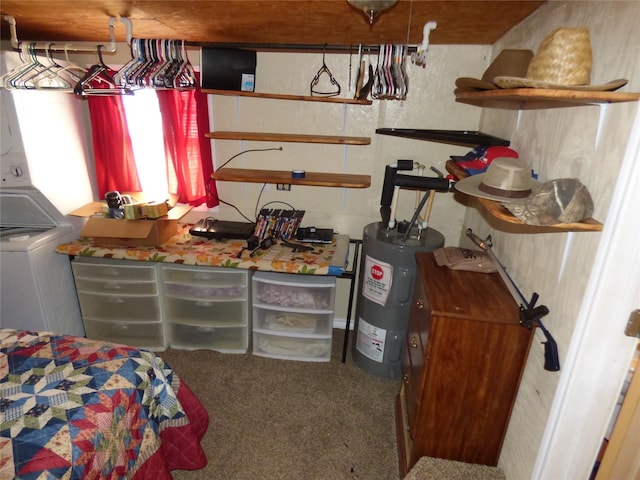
(587, 142)
(429, 105)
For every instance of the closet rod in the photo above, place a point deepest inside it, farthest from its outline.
(71, 46)
(309, 48)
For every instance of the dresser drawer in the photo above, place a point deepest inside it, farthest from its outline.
(292, 323)
(204, 282)
(197, 291)
(116, 286)
(301, 292)
(141, 335)
(223, 339)
(119, 308)
(206, 312)
(292, 348)
(97, 269)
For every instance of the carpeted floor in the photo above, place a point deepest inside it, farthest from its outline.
(276, 419)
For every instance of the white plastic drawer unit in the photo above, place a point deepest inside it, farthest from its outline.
(119, 301)
(206, 307)
(119, 291)
(293, 316)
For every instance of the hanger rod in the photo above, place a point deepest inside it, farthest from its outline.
(308, 48)
(71, 46)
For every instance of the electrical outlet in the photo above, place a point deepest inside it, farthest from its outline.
(284, 186)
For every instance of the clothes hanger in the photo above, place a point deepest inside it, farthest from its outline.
(52, 78)
(324, 70)
(30, 66)
(71, 70)
(99, 81)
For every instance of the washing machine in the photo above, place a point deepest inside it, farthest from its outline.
(37, 291)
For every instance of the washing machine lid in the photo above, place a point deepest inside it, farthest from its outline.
(28, 207)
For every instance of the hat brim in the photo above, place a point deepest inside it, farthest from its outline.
(470, 186)
(518, 82)
(468, 83)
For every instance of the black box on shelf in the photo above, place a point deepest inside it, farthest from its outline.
(228, 69)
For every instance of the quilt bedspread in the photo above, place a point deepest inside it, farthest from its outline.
(77, 408)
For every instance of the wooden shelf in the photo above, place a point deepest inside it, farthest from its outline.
(537, 98)
(496, 210)
(281, 96)
(289, 137)
(281, 176)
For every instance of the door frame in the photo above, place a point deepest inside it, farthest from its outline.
(599, 354)
(622, 457)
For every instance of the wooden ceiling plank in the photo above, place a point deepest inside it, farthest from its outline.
(278, 22)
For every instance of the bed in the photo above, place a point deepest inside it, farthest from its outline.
(77, 408)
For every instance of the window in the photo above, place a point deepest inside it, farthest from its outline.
(145, 129)
(141, 140)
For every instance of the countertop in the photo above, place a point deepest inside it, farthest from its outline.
(183, 248)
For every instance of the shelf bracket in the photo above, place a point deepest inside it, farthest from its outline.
(71, 46)
(604, 108)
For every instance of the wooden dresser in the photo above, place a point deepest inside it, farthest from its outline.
(462, 363)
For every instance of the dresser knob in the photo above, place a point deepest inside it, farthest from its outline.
(414, 341)
(420, 304)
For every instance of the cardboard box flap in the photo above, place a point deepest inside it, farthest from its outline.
(88, 210)
(177, 212)
(118, 228)
(94, 209)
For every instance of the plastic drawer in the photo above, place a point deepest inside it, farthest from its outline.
(112, 269)
(207, 277)
(119, 308)
(219, 292)
(222, 339)
(294, 291)
(115, 286)
(292, 348)
(292, 323)
(206, 312)
(140, 335)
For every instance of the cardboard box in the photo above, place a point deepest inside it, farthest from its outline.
(112, 231)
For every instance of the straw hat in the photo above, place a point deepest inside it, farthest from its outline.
(509, 62)
(563, 61)
(506, 180)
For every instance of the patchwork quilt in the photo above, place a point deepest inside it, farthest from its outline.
(77, 408)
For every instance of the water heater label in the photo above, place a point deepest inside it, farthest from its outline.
(378, 277)
(370, 340)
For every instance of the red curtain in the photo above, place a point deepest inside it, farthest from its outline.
(115, 164)
(185, 120)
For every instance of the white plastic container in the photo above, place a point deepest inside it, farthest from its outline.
(293, 316)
